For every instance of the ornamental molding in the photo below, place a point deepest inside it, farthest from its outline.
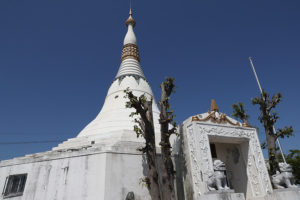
(195, 164)
(130, 51)
(135, 76)
(218, 118)
(257, 171)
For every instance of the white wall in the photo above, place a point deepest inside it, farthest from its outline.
(73, 177)
(92, 174)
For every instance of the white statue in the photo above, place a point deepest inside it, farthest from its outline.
(284, 178)
(217, 181)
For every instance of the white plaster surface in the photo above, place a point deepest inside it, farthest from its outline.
(99, 172)
(130, 36)
(223, 196)
(113, 123)
(131, 66)
(286, 194)
(114, 116)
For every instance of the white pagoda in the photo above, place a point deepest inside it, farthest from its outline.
(102, 161)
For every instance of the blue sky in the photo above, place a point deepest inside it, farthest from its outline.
(58, 58)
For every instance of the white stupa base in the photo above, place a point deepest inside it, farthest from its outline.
(109, 138)
(90, 172)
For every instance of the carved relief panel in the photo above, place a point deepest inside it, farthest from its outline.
(198, 135)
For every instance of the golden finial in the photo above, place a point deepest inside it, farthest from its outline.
(246, 125)
(214, 106)
(130, 19)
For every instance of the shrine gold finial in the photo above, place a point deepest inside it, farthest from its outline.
(214, 106)
(130, 19)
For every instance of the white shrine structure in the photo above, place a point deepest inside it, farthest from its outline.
(216, 157)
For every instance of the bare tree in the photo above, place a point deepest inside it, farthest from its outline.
(239, 112)
(145, 128)
(164, 189)
(268, 118)
(166, 117)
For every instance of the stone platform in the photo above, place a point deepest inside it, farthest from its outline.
(222, 195)
(286, 194)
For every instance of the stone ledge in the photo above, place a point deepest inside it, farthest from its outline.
(223, 196)
(129, 148)
(119, 148)
(287, 189)
(286, 194)
(220, 191)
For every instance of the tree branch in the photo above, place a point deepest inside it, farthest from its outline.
(286, 132)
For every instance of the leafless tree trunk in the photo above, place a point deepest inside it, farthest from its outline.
(164, 189)
(271, 142)
(146, 129)
(166, 117)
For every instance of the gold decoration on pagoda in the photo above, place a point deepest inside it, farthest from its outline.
(130, 51)
(130, 19)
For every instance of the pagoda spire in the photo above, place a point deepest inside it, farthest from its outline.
(130, 58)
(130, 48)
